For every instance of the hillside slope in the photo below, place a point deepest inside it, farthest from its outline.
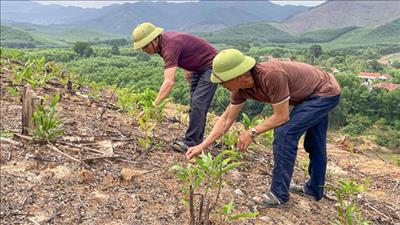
(385, 34)
(32, 35)
(113, 180)
(338, 14)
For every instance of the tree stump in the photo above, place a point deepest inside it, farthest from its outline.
(29, 106)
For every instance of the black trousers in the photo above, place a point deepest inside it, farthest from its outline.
(202, 91)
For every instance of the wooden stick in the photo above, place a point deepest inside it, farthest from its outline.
(62, 153)
(10, 141)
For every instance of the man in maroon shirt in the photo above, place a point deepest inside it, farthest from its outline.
(312, 91)
(195, 56)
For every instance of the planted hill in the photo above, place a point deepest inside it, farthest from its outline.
(250, 32)
(18, 35)
(15, 38)
(385, 34)
(321, 36)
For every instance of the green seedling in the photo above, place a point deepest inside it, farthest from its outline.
(250, 123)
(33, 72)
(128, 100)
(12, 91)
(227, 214)
(95, 90)
(202, 184)
(150, 116)
(348, 212)
(47, 122)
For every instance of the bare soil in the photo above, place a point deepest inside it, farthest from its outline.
(118, 182)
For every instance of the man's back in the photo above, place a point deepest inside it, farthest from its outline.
(186, 51)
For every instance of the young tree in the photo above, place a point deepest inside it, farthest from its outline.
(114, 50)
(83, 49)
(316, 51)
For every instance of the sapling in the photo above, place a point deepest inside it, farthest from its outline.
(150, 115)
(202, 184)
(348, 212)
(128, 100)
(47, 122)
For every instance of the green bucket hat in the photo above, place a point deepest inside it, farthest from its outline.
(229, 64)
(144, 33)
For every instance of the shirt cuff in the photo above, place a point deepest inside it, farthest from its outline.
(284, 100)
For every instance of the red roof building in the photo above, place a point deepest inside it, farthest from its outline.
(368, 75)
(387, 86)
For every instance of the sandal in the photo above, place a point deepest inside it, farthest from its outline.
(179, 146)
(269, 200)
(299, 189)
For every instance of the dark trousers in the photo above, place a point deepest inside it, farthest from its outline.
(310, 117)
(202, 91)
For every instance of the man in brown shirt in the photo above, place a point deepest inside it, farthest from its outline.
(195, 56)
(312, 91)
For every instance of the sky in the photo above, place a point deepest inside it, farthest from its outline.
(99, 4)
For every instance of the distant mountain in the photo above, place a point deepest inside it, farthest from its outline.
(32, 12)
(189, 16)
(339, 14)
(269, 33)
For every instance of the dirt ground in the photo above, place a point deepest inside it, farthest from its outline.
(116, 182)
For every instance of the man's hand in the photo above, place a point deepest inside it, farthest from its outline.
(188, 75)
(244, 140)
(194, 151)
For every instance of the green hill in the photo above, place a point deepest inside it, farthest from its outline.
(324, 35)
(271, 33)
(24, 35)
(385, 34)
(249, 32)
(11, 37)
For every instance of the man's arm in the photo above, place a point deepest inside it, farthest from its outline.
(169, 76)
(279, 117)
(223, 124)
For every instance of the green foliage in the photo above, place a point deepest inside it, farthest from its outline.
(316, 51)
(230, 139)
(114, 50)
(348, 212)
(150, 115)
(33, 72)
(16, 38)
(203, 180)
(12, 91)
(228, 215)
(267, 138)
(147, 126)
(25, 35)
(95, 90)
(249, 32)
(83, 49)
(47, 122)
(357, 124)
(127, 99)
(388, 137)
(250, 123)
